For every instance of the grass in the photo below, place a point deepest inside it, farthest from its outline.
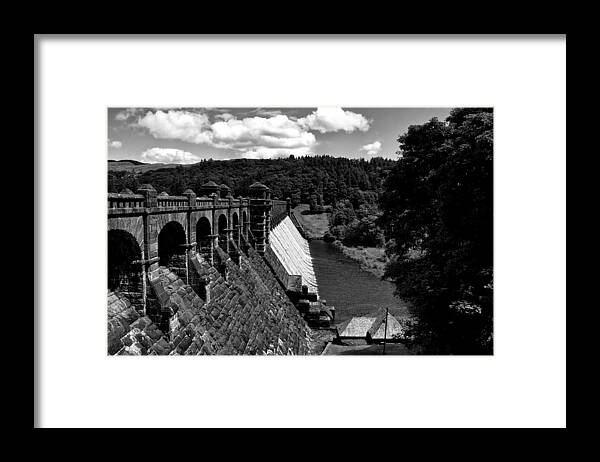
(371, 259)
(314, 225)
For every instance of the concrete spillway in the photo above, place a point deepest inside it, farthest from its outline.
(293, 252)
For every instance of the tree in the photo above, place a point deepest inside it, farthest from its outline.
(364, 230)
(437, 211)
(312, 202)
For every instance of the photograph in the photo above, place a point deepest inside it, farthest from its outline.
(300, 230)
(279, 225)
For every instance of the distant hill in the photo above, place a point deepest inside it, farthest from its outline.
(128, 161)
(134, 166)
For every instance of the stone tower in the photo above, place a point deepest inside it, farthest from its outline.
(260, 212)
(209, 188)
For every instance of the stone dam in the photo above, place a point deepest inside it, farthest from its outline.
(210, 274)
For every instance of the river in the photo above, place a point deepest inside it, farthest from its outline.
(352, 291)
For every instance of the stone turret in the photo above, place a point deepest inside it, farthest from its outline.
(150, 195)
(191, 195)
(209, 188)
(225, 190)
(259, 191)
(260, 213)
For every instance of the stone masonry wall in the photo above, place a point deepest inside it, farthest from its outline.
(128, 332)
(245, 312)
(248, 313)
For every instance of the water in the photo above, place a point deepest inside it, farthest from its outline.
(352, 291)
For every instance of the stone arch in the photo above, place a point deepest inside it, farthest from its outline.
(235, 221)
(171, 248)
(133, 225)
(203, 236)
(124, 275)
(158, 223)
(222, 231)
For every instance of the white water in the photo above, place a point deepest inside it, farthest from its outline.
(293, 252)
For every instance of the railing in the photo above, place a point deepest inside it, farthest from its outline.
(129, 201)
(172, 201)
(204, 201)
(117, 201)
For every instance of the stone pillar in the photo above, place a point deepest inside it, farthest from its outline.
(191, 195)
(215, 228)
(259, 205)
(150, 195)
(267, 224)
(268, 210)
(150, 249)
(214, 242)
(240, 223)
(229, 222)
(245, 221)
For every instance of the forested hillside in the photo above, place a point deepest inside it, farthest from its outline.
(321, 179)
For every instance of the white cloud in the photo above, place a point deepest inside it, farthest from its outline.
(252, 136)
(256, 132)
(265, 135)
(169, 156)
(372, 149)
(114, 144)
(181, 125)
(333, 119)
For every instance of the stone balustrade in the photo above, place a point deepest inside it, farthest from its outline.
(147, 198)
(117, 201)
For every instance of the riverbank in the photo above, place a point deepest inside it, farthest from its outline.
(350, 289)
(370, 259)
(314, 225)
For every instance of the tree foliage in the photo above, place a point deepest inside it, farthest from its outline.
(318, 180)
(356, 227)
(437, 214)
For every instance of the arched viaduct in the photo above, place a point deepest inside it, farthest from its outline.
(147, 230)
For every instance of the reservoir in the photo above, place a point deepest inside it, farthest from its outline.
(352, 291)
